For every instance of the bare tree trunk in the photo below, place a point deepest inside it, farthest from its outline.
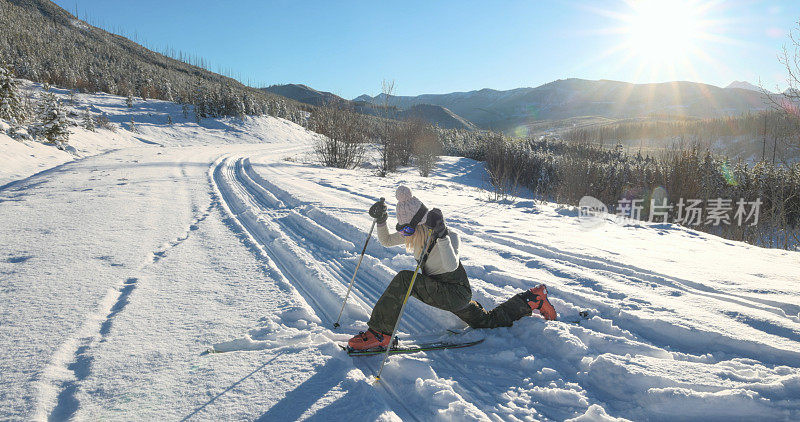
(387, 151)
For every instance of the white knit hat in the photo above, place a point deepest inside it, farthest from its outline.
(407, 206)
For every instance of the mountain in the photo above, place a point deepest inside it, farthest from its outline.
(305, 94)
(441, 115)
(570, 98)
(743, 85)
(433, 114)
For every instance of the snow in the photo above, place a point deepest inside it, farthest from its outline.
(22, 159)
(128, 258)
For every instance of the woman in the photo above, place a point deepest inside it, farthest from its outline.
(442, 283)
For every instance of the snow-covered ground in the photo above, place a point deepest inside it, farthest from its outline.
(119, 269)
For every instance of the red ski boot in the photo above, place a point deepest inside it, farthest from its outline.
(369, 339)
(537, 300)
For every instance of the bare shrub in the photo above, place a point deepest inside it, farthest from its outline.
(425, 145)
(388, 148)
(102, 122)
(343, 141)
(504, 165)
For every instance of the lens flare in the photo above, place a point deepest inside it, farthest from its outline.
(521, 131)
(728, 174)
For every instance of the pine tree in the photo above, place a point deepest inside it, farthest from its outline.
(200, 102)
(52, 121)
(87, 121)
(129, 100)
(132, 126)
(167, 92)
(12, 108)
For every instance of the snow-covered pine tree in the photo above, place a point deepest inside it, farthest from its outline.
(167, 92)
(87, 121)
(52, 123)
(200, 102)
(129, 100)
(132, 126)
(12, 108)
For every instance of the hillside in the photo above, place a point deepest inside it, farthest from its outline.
(121, 268)
(437, 115)
(751, 137)
(569, 98)
(177, 246)
(90, 59)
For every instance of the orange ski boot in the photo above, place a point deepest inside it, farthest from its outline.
(369, 339)
(537, 300)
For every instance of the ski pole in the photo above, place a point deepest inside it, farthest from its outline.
(420, 264)
(350, 287)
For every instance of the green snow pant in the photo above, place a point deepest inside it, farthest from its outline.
(449, 291)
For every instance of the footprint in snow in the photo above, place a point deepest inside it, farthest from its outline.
(18, 259)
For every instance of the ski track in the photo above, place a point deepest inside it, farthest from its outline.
(253, 200)
(572, 268)
(633, 273)
(276, 219)
(72, 363)
(313, 254)
(299, 241)
(248, 203)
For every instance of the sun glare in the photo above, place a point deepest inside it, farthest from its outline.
(664, 39)
(663, 31)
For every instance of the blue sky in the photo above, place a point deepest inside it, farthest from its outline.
(445, 46)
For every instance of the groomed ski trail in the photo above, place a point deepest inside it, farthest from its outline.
(251, 205)
(582, 282)
(300, 248)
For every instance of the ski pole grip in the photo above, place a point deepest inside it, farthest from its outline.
(431, 244)
(382, 201)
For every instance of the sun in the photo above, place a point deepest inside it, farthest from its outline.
(660, 40)
(663, 31)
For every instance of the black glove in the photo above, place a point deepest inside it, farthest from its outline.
(378, 212)
(435, 221)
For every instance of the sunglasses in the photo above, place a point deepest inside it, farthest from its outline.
(411, 227)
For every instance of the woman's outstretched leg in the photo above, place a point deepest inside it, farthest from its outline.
(504, 315)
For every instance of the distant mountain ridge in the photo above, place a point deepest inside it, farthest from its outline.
(570, 98)
(743, 85)
(304, 94)
(434, 114)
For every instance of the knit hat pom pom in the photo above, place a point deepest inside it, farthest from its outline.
(403, 194)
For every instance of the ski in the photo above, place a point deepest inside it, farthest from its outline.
(423, 347)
